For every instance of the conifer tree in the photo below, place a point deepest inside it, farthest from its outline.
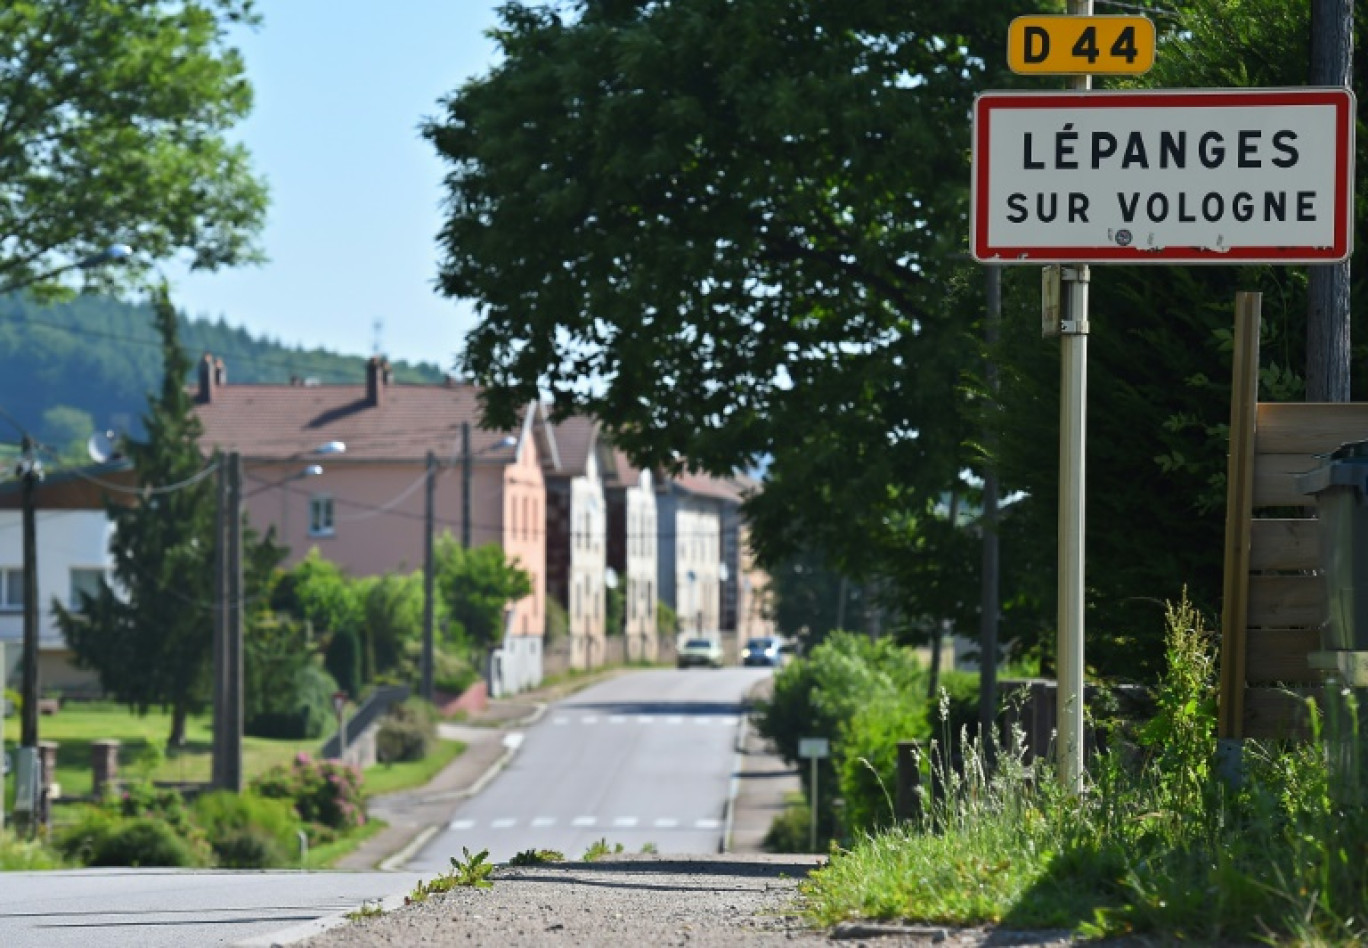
(150, 635)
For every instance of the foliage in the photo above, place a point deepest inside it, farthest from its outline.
(26, 855)
(667, 623)
(150, 641)
(246, 831)
(324, 793)
(343, 661)
(406, 733)
(476, 586)
(791, 830)
(102, 840)
(367, 910)
(287, 694)
(392, 617)
(614, 610)
(1155, 845)
(473, 871)
(600, 848)
(536, 857)
(453, 674)
(116, 129)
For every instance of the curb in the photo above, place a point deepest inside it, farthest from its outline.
(297, 933)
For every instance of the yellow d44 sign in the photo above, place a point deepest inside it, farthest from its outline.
(1072, 45)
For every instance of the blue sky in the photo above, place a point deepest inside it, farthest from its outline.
(341, 87)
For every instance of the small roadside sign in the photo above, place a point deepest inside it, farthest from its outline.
(1078, 45)
(813, 747)
(1191, 176)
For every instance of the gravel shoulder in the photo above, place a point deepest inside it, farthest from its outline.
(628, 901)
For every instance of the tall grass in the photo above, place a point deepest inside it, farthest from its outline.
(1156, 843)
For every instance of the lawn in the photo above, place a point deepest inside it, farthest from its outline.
(142, 751)
(387, 778)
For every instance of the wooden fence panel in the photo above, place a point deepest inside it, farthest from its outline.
(1308, 427)
(1284, 545)
(1279, 655)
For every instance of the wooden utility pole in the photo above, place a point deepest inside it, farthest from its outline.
(429, 576)
(228, 658)
(1327, 295)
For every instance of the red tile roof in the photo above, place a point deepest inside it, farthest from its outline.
(281, 421)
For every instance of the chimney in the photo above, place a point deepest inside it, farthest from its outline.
(377, 379)
(208, 378)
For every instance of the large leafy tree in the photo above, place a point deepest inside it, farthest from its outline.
(726, 229)
(113, 116)
(709, 222)
(150, 634)
(475, 586)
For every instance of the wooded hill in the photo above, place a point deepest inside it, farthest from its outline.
(71, 368)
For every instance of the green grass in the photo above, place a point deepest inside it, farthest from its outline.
(142, 748)
(387, 778)
(327, 855)
(1156, 844)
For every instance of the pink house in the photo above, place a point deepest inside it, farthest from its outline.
(344, 469)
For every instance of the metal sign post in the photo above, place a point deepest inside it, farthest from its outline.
(814, 748)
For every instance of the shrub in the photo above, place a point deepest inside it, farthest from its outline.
(103, 839)
(343, 661)
(452, 674)
(312, 711)
(21, 855)
(323, 792)
(406, 733)
(247, 831)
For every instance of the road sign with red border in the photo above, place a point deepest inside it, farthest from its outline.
(1191, 176)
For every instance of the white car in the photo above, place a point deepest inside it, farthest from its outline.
(700, 651)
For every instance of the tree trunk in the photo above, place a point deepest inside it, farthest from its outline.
(1327, 297)
(178, 717)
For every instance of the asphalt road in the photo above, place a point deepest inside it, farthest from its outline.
(168, 908)
(641, 760)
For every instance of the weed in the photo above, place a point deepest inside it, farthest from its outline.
(537, 857)
(367, 910)
(473, 871)
(649, 848)
(599, 849)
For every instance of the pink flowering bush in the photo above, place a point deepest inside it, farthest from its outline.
(326, 793)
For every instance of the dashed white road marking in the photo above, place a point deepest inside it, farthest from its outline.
(589, 719)
(462, 824)
(584, 821)
(542, 822)
(502, 824)
(707, 824)
(560, 719)
(677, 719)
(666, 823)
(625, 821)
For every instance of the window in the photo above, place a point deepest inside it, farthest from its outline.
(320, 516)
(86, 581)
(11, 589)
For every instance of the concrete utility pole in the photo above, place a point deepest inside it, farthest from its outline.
(1327, 295)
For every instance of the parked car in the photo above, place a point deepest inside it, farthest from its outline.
(765, 651)
(706, 652)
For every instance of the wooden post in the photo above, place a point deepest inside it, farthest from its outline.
(1239, 503)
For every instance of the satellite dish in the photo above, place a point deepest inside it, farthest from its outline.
(100, 447)
(610, 578)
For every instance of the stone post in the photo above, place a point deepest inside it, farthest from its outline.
(104, 766)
